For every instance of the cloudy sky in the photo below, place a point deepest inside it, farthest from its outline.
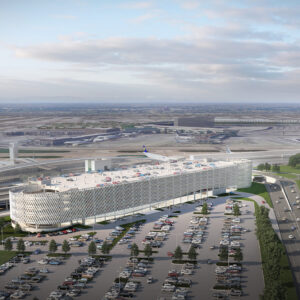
(150, 51)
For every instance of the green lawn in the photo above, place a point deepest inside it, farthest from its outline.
(103, 222)
(286, 175)
(8, 231)
(6, 256)
(289, 169)
(5, 218)
(289, 172)
(258, 189)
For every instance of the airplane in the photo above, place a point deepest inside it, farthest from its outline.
(183, 138)
(155, 156)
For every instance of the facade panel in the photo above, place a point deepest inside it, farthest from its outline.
(33, 207)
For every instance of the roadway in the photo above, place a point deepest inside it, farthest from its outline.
(286, 214)
(256, 157)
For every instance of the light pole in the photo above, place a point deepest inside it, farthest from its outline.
(2, 235)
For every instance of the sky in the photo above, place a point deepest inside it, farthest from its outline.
(150, 51)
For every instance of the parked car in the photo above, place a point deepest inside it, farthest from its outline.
(150, 279)
(37, 251)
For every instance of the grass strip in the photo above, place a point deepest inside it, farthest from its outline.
(126, 229)
(258, 189)
(103, 222)
(5, 256)
(184, 261)
(64, 255)
(264, 227)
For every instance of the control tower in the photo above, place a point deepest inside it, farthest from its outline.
(13, 152)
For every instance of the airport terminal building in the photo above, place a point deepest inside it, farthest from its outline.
(47, 204)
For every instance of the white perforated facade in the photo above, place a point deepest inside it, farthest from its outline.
(38, 208)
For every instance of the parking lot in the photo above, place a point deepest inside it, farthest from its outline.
(203, 278)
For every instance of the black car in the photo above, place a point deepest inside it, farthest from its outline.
(63, 287)
(126, 295)
(156, 244)
(11, 286)
(76, 275)
(4, 295)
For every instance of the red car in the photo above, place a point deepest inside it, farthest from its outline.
(74, 229)
(170, 254)
(263, 202)
(68, 282)
(173, 273)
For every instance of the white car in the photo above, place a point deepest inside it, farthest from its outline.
(236, 220)
(186, 272)
(291, 237)
(45, 270)
(298, 219)
(17, 295)
(119, 228)
(224, 242)
(168, 287)
(235, 244)
(43, 262)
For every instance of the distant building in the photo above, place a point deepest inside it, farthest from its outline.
(200, 121)
(250, 121)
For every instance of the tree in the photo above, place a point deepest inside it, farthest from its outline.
(261, 167)
(105, 248)
(204, 210)
(92, 248)
(192, 254)
(178, 253)
(52, 246)
(275, 168)
(2, 224)
(223, 253)
(65, 246)
(294, 160)
(267, 166)
(18, 228)
(8, 245)
(238, 256)
(148, 250)
(276, 291)
(21, 245)
(236, 210)
(134, 250)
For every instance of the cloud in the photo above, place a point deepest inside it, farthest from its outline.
(148, 51)
(217, 50)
